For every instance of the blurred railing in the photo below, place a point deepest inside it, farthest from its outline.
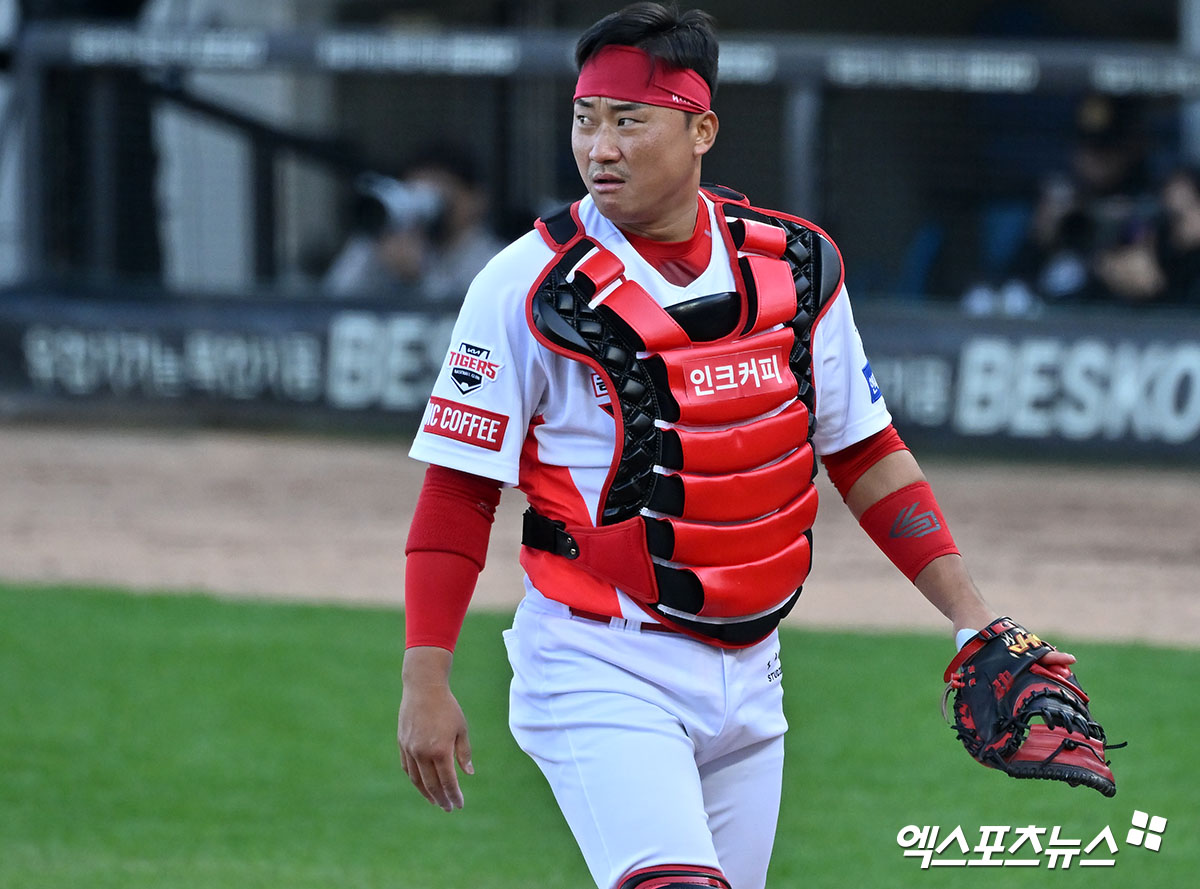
(812, 160)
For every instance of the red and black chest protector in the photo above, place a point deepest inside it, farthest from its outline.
(706, 515)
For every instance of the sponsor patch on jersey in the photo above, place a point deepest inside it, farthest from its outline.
(734, 376)
(876, 392)
(461, 422)
(471, 366)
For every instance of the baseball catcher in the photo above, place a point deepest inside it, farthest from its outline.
(659, 367)
(1000, 688)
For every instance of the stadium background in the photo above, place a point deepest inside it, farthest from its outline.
(182, 410)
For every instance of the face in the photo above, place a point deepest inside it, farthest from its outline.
(1179, 196)
(641, 163)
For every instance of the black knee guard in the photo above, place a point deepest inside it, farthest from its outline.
(674, 876)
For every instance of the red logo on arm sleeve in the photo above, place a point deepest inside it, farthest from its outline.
(470, 425)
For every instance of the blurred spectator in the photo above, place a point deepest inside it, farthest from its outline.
(1087, 237)
(1165, 267)
(1179, 237)
(427, 232)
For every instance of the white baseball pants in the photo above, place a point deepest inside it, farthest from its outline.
(659, 749)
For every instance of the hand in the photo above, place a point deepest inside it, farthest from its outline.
(432, 730)
(1058, 661)
(1132, 272)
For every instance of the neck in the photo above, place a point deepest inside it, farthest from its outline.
(676, 225)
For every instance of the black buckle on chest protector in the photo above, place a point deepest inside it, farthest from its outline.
(540, 532)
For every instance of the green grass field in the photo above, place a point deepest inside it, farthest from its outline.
(151, 741)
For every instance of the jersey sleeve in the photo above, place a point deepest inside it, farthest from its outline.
(849, 403)
(492, 378)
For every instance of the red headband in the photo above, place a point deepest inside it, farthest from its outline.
(628, 73)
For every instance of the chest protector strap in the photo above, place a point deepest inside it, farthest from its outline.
(706, 515)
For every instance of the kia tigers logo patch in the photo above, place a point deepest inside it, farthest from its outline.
(471, 366)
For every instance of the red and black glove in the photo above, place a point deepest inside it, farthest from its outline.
(1000, 688)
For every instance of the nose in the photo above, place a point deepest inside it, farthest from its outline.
(604, 148)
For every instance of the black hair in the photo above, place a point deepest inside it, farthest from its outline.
(683, 39)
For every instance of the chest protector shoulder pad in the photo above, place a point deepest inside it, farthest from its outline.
(706, 515)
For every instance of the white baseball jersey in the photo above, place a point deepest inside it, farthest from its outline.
(505, 407)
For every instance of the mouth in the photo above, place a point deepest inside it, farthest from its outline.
(606, 182)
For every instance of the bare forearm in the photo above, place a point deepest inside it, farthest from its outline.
(948, 586)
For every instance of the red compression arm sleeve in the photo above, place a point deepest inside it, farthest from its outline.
(846, 466)
(446, 550)
(908, 527)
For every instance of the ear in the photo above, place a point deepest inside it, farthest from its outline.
(705, 127)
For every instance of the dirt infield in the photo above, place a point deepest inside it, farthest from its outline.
(1103, 553)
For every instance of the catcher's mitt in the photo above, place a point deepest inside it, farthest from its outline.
(1000, 687)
